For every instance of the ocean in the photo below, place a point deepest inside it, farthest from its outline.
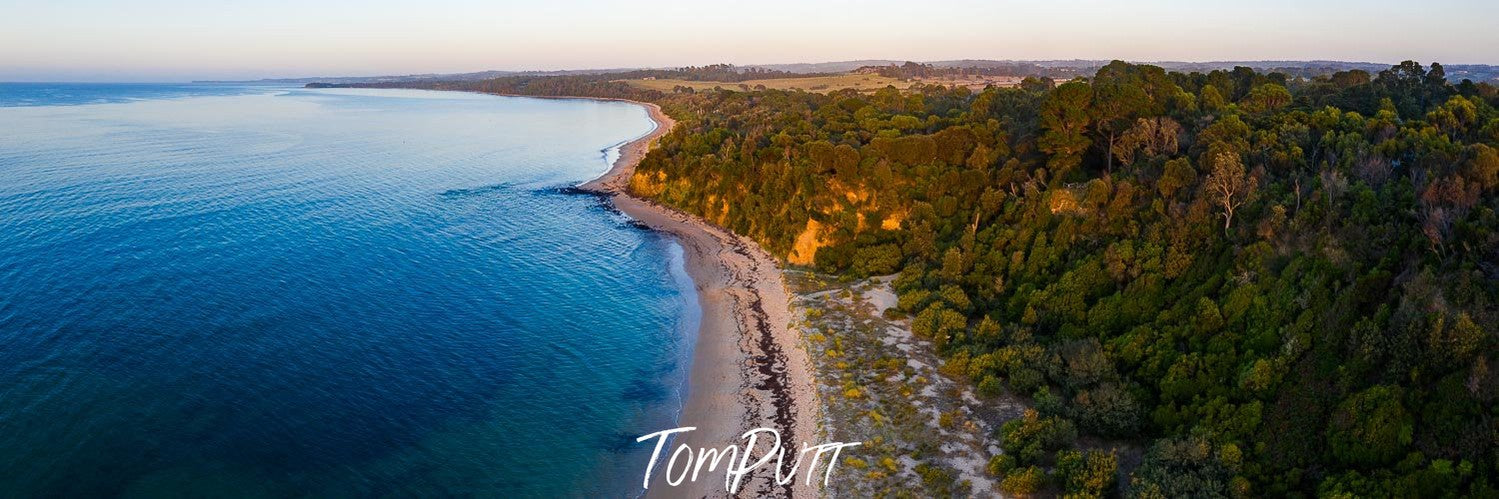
(270, 291)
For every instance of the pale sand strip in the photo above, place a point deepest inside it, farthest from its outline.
(749, 369)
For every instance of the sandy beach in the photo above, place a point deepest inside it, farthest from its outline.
(749, 369)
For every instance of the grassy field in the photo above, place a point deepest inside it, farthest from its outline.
(972, 82)
(812, 84)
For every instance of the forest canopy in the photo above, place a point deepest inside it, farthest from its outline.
(1276, 285)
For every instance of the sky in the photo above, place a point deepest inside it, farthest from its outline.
(175, 40)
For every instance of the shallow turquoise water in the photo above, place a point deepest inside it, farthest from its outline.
(261, 291)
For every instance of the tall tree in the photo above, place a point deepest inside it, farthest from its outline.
(1064, 121)
(1228, 186)
(1268, 98)
(1118, 97)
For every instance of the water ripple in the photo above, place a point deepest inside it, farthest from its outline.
(323, 293)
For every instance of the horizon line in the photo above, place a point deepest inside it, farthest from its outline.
(758, 65)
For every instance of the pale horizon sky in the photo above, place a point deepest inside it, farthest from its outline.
(176, 40)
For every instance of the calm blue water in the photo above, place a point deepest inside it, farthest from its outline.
(64, 94)
(277, 291)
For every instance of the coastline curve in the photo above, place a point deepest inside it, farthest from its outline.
(749, 369)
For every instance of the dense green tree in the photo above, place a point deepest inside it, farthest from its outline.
(1119, 96)
(1371, 427)
(1087, 474)
(1065, 121)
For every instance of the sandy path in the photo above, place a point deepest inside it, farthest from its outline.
(749, 369)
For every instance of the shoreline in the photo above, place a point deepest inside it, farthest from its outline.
(749, 369)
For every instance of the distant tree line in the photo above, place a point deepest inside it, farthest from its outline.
(910, 70)
(603, 85)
